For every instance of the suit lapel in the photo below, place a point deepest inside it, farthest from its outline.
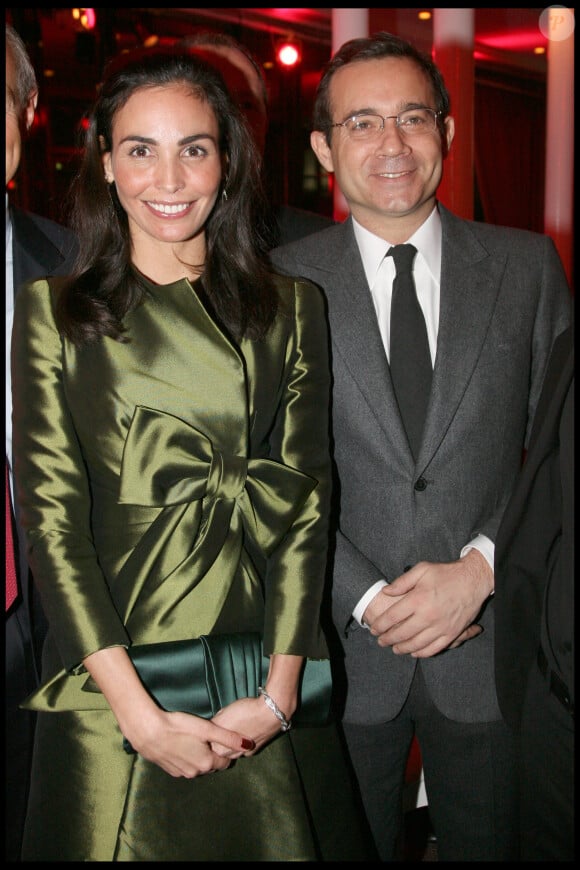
(470, 283)
(356, 336)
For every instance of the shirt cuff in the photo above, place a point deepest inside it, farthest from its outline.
(485, 547)
(365, 600)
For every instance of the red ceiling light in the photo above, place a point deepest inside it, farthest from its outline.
(86, 17)
(519, 39)
(288, 52)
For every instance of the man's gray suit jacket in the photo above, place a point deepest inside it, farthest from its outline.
(504, 299)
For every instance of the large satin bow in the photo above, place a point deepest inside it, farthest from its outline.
(209, 498)
(175, 581)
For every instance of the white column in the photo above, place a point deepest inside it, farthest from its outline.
(454, 26)
(559, 174)
(346, 24)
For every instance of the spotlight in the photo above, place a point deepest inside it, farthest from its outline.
(86, 18)
(288, 52)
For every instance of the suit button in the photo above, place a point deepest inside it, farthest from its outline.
(421, 484)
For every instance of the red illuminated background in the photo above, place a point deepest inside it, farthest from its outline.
(69, 52)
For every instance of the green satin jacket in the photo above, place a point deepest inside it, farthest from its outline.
(173, 485)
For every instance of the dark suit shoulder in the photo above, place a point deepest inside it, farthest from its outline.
(296, 223)
(40, 246)
(316, 250)
(319, 256)
(497, 236)
(26, 223)
(310, 242)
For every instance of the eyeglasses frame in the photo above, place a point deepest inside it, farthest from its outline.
(394, 118)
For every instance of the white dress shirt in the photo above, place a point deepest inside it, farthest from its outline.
(380, 273)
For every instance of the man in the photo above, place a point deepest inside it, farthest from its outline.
(413, 581)
(35, 246)
(245, 80)
(534, 604)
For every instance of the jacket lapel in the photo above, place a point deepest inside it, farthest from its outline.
(356, 337)
(470, 283)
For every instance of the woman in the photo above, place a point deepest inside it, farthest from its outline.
(150, 384)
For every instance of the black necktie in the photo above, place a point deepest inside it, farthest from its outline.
(409, 356)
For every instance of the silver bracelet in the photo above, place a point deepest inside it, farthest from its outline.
(285, 725)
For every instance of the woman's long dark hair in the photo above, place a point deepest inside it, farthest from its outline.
(237, 278)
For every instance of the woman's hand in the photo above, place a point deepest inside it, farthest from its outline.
(183, 745)
(252, 716)
(249, 716)
(179, 743)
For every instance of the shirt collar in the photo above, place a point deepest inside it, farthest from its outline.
(427, 240)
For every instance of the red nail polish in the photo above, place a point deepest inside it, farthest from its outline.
(248, 744)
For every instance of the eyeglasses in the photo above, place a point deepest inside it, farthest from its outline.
(410, 122)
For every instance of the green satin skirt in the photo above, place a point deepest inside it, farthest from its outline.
(90, 801)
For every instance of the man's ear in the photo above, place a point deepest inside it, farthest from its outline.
(448, 134)
(321, 149)
(30, 109)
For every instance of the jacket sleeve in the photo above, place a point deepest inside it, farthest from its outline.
(295, 576)
(53, 488)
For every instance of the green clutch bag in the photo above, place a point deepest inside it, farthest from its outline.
(206, 673)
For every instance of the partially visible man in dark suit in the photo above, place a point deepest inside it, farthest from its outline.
(535, 618)
(35, 247)
(244, 78)
(418, 506)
